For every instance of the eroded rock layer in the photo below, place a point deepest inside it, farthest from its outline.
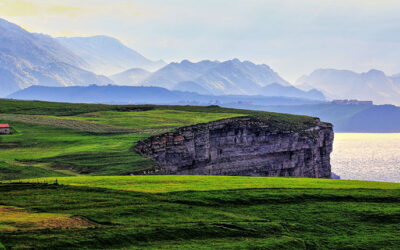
(241, 146)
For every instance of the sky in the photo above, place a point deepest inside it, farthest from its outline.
(294, 37)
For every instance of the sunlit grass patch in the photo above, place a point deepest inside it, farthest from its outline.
(175, 183)
(13, 218)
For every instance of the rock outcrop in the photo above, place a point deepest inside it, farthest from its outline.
(242, 146)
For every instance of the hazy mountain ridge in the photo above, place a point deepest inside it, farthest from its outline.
(190, 86)
(396, 79)
(174, 73)
(38, 49)
(373, 85)
(107, 55)
(231, 77)
(276, 89)
(347, 117)
(130, 77)
(360, 118)
(36, 59)
(144, 95)
(30, 59)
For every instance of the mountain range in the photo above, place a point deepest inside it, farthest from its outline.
(28, 59)
(232, 77)
(373, 85)
(113, 94)
(31, 59)
(229, 77)
(106, 55)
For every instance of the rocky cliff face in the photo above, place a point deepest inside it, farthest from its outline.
(242, 146)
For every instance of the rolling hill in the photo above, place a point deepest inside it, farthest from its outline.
(196, 212)
(65, 153)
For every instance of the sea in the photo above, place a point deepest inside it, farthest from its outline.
(365, 156)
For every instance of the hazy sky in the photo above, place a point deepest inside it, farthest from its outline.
(294, 37)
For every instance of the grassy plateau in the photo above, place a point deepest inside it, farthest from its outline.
(65, 184)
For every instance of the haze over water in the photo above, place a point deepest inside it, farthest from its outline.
(363, 156)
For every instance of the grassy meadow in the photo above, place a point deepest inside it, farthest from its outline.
(65, 184)
(92, 143)
(174, 212)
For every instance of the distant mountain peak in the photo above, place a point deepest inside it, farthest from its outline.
(375, 73)
(10, 26)
(235, 60)
(33, 58)
(373, 85)
(137, 70)
(130, 77)
(108, 55)
(186, 62)
(221, 78)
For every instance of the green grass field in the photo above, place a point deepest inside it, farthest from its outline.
(49, 139)
(178, 183)
(87, 151)
(201, 212)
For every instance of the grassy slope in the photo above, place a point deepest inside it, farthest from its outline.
(13, 172)
(275, 213)
(276, 120)
(98, 139)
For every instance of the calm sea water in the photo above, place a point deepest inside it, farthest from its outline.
(373, 157)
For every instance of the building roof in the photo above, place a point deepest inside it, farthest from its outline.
(4, 125)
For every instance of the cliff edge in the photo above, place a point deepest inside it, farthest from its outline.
(242, 146)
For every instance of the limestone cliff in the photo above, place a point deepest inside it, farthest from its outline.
(242, 146)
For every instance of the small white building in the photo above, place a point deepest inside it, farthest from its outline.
(4, 129)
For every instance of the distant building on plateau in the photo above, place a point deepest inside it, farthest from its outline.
(4, 129)
(353, 102)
